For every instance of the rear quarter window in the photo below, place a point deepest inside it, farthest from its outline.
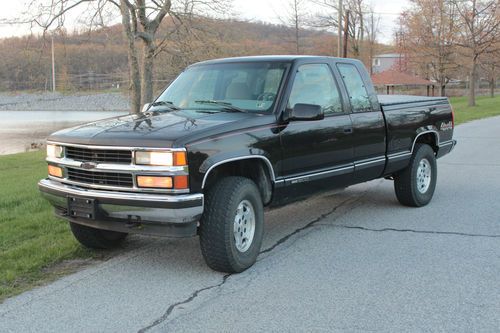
(358, 95)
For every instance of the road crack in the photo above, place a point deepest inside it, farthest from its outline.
(411, 230)
(280, 241)
(307, 226)
(172, 307)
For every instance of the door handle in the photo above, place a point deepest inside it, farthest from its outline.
(348, 130)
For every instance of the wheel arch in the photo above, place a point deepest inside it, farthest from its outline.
(430, 137)
(258, 168)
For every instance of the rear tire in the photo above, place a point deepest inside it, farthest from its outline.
(97, 238)
(232, 225)
(415, 185)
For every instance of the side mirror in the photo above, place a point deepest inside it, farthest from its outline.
(303, 111)
(145, 107)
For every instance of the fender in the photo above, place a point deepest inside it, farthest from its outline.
(213, 161)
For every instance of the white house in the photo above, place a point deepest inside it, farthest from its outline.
(384, 62)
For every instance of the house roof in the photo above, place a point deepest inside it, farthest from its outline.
(396, 78)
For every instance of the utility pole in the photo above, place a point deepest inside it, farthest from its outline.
(339, 32)
(296, 10)
(53, 67)
(346, 33)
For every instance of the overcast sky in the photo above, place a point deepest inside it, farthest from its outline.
(257, 10)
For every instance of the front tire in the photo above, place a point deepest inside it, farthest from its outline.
(97, 238)
(232, 225)
(415, 185)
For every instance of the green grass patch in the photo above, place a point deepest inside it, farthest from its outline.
(32, 239)
(486, 107)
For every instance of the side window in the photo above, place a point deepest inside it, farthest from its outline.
(314, 84)
(355, 86)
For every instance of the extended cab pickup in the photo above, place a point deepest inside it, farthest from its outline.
(231, 136)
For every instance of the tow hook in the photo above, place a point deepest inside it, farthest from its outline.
(134, 222)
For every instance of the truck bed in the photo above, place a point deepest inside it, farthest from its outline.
(392, 100)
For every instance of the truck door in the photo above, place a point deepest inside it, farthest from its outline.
(317, 154)
(368, 125)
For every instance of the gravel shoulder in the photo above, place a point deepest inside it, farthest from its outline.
(114, 101)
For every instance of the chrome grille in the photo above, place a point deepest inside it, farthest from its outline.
(100, 178)
(99, 155)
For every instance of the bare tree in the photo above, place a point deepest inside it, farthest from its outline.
(479, 34)
(141, 20)
(490, 65)
(295, 16)
(372, 32)
(430, 36)
(356, 9)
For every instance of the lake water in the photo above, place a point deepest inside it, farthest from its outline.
(21, 130)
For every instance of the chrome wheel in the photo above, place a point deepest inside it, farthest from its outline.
(244, 226)
(424, 174)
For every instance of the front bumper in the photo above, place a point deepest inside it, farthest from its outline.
(153, 214)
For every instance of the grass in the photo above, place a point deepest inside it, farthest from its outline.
(486, 107)
(33, 241)
(31, 238)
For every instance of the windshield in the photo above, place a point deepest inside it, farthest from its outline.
(245, 86)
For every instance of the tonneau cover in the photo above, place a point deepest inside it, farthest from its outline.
(387, 100)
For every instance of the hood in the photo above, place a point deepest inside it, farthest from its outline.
(150, 129)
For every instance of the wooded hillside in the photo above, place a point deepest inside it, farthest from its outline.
(98, 59)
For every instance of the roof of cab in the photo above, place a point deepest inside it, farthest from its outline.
(284, 58)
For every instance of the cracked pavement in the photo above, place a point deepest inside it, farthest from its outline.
(351, 261)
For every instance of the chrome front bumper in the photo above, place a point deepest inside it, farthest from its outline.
(125, 209)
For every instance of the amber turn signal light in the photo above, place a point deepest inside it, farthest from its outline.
(180, 182)
(55, 171)
(154, 182)
(180, 158)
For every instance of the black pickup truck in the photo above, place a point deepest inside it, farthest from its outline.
(231, 136)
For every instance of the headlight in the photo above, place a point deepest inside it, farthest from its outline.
(54, 151)
(165, 158)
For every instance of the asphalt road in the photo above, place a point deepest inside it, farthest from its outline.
(350, 261)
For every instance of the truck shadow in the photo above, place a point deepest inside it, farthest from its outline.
(184, 255)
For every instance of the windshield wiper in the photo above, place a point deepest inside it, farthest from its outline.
(224, 105)
(168, 104)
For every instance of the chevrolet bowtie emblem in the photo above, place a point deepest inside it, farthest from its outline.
(88, 165)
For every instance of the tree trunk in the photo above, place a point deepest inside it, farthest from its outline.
(135, 82)
(472, 83)
(147, 73)
(492, 81)
(134, 76)
(492, 87)
(442, 90)
(297, 48)
(346, 34)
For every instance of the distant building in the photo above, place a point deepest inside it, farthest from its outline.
(384, 62)
(392, 79)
